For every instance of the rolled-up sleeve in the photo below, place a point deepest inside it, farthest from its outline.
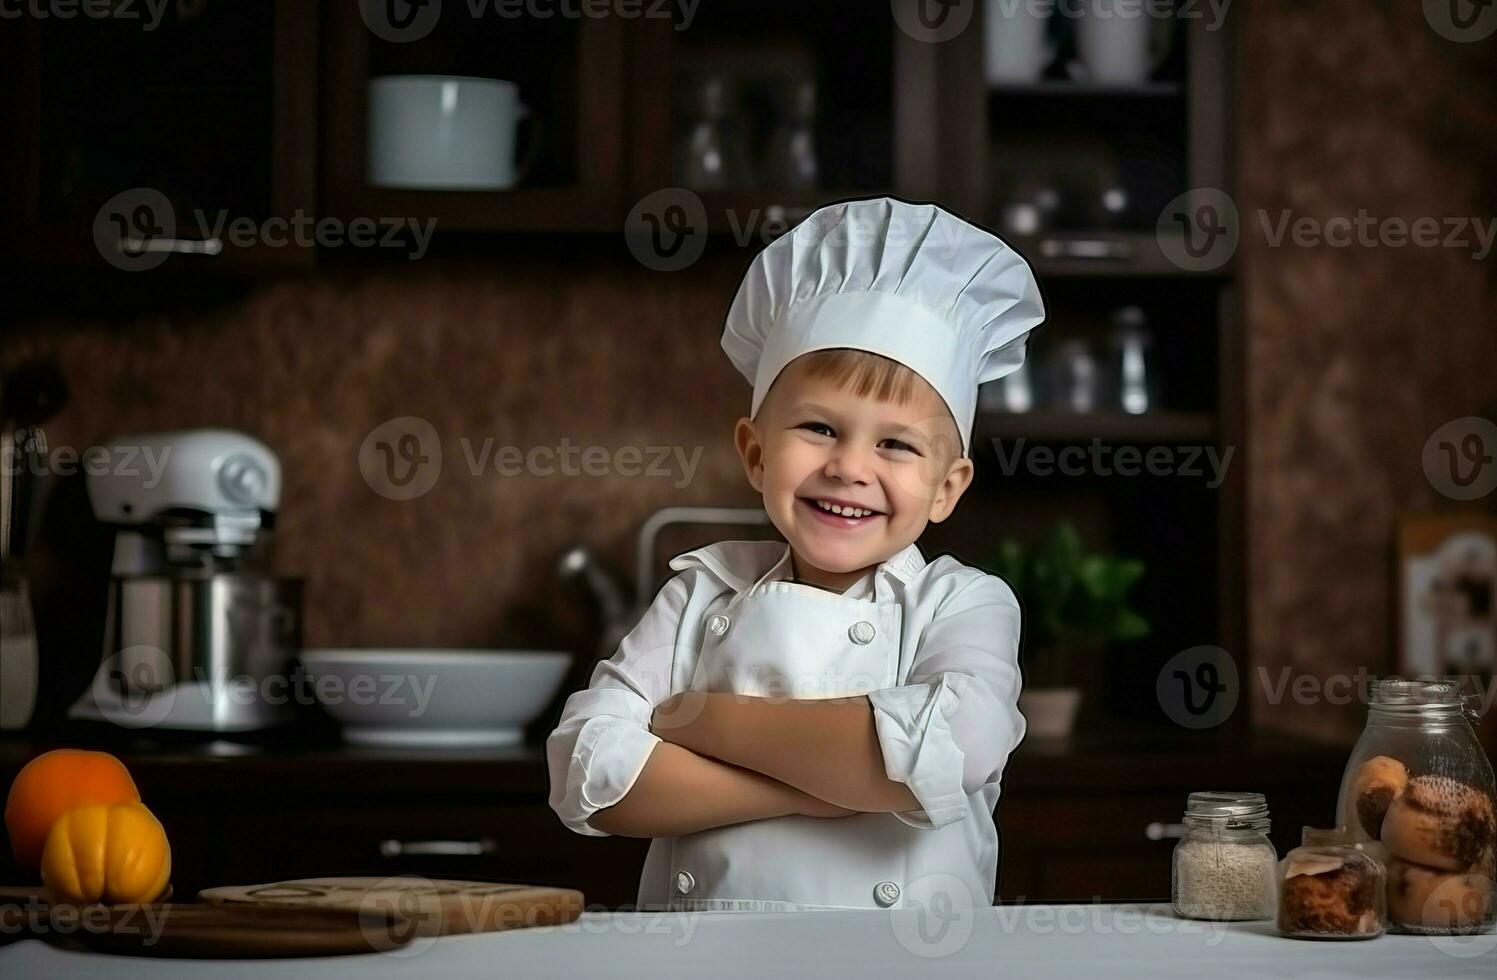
(603, 740)
(948, 731)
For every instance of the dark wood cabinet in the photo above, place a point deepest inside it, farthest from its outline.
(133, 139)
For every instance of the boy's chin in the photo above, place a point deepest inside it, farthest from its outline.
(838, 561)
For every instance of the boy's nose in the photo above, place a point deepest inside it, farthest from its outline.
(850, 465)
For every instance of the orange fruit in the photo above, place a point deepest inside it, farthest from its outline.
(52, 784)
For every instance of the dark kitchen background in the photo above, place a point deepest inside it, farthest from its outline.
(546, 311)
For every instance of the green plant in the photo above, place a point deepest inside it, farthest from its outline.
(1072, 599)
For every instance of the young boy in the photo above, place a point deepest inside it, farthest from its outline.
(823, 723)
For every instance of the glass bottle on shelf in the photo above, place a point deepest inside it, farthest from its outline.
(791, 163)
(712, 154)
(1419, 783)
(1133, 368)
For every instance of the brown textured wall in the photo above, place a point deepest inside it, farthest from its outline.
(1355, 355)
(598, 352)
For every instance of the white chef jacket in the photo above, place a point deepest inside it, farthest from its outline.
(946, 731)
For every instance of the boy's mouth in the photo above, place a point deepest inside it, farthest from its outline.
(839, 513)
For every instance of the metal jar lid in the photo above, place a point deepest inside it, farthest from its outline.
(1227, 810)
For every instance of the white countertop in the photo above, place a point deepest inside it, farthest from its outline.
(1029, 941)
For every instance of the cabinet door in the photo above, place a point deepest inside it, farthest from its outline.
(766, 109)
(177, 135)
(568, 146)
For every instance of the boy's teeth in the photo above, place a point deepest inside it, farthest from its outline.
(843, 511)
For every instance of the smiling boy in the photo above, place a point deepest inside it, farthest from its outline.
(823, 723)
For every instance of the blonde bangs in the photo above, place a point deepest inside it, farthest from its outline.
(864, 373)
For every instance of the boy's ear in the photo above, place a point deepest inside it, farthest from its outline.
(949, 490)
(751, 451)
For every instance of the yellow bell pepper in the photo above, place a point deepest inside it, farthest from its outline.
(109, 852)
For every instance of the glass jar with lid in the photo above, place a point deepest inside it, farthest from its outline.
(1224, 868)
(1333, 888)
(1419, 783)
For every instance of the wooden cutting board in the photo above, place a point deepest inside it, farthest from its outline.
(433, 906)
(202, 931)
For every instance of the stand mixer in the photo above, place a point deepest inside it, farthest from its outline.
(199, 635)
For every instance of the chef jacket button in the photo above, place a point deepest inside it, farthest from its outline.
(685, 882)
(861, 632)
(886, 893)
(718, 624)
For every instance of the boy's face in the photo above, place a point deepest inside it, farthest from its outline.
(815, 444)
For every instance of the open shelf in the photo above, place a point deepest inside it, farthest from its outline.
(1114, 427)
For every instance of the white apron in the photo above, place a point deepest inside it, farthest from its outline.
(783, 639)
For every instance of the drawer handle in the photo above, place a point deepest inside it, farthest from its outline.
(398, 848)
(1164, 831)
(181, 246)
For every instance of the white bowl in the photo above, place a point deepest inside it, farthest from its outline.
(435, 697)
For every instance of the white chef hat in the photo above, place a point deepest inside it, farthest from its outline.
(913, 282)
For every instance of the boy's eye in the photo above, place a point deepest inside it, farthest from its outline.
(820, 428)
(902, 447)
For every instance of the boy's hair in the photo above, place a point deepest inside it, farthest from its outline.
(864, 373)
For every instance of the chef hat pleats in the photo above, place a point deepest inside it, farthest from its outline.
(913, 282)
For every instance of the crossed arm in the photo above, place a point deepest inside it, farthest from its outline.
(727, 758)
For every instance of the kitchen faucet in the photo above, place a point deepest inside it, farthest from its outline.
(619, 617)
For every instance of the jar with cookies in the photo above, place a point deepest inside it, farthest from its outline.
(1419, 784)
